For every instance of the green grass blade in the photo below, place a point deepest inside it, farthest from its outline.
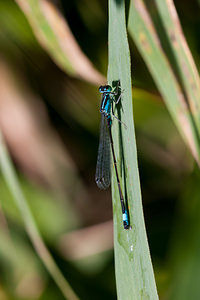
(54, 34)
(142, 31)
(31, 227)
(185, 63)
(134, 272)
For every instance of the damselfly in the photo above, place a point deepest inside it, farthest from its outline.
(106, 141)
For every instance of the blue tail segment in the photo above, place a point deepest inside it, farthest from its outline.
(126, 220)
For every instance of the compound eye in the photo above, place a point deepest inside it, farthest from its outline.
(101, 89)
(108, 88)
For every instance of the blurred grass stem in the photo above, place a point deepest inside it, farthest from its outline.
(30, 225)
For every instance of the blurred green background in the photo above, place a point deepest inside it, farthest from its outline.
(50, 121)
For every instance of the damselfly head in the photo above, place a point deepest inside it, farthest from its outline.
(105, 89)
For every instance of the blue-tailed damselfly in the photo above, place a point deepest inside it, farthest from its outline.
(106, 141)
